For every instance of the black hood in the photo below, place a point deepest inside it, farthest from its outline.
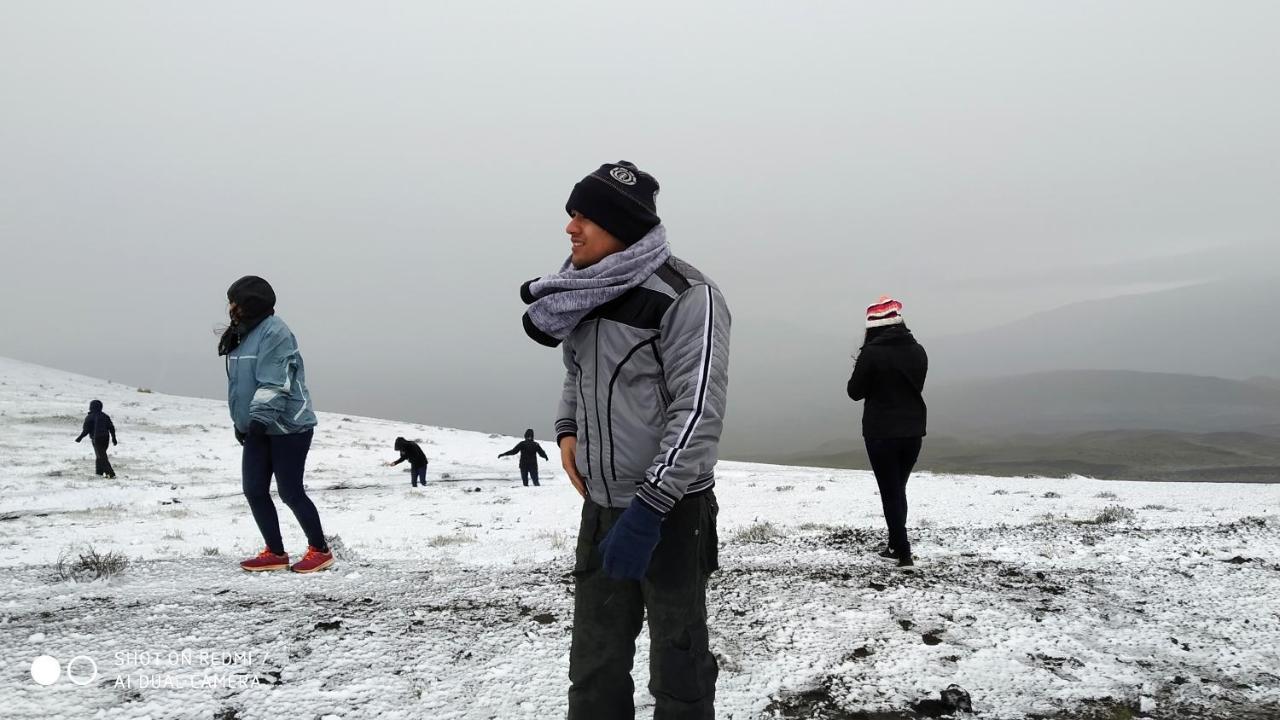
(254, 296)
(95, 406)
(256, 301)
(399, 443)
(528, 434)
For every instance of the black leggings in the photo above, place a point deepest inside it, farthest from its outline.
(285, 456)
(892, 460)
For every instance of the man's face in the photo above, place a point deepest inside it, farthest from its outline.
(590, 242)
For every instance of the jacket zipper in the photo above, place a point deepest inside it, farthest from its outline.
(582, 396)
(595, 393)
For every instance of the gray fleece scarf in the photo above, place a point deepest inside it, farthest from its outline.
(557, 303)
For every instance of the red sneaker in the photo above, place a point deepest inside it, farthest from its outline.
(313, 561)
(266, 560)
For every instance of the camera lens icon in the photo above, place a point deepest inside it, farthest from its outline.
(82, 670)
(46, 670)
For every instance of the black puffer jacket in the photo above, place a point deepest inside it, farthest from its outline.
(411, 451)
(97, 424)
(889, 375)
(528, 451)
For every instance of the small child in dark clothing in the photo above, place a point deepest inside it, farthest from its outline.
(99, 426)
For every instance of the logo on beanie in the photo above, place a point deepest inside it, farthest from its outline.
(623, 175)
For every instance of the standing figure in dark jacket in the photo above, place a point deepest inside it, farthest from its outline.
(889, 374)
(646, 352)
(529, 452)
(98, 426)
(412, 452)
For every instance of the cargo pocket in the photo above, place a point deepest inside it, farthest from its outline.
(586, 558)
(709, 538)
(683, 670)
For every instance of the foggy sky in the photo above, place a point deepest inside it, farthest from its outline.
(397, 169)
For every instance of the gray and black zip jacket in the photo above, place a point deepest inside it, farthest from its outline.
(645, 391)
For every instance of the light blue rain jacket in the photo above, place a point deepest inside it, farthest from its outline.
(266, 381)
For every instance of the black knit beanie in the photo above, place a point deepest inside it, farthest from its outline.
(620, 198)
(253, 295)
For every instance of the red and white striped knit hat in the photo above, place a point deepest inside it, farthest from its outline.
(885, 311)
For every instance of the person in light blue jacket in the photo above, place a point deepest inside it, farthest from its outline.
(274, 420)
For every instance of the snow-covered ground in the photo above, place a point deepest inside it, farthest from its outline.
(454, 601)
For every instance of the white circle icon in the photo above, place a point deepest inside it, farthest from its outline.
(82, 679)
(623, 175)
(45, 670)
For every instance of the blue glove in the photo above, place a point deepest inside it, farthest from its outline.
(628, 546)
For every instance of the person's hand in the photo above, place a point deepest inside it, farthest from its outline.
(627, 548)
(113, 441)
(569, 459)
(239, 436)
(79, 439)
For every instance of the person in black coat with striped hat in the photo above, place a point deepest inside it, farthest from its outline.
(889, 375)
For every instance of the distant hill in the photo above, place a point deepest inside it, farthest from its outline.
(1116, 455)
(1081, 401)
(792, 398)
(1272, 383)
(1115, 424)
(1223, 329)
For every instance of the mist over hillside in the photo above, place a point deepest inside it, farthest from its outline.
(1223, 329)
(1175, 359)
(1079, 401)
(1114, 424)
(1151, 455)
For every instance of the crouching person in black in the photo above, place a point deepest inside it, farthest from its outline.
(412, 452)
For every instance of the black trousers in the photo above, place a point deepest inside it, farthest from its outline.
(607, 617)
(102, 465)
(892, 460)
(285, 456)
(527, 473)
(418, 474)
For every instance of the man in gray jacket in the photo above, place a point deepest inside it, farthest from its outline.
(646, 350)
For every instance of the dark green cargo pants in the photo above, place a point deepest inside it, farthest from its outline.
(608, 614)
